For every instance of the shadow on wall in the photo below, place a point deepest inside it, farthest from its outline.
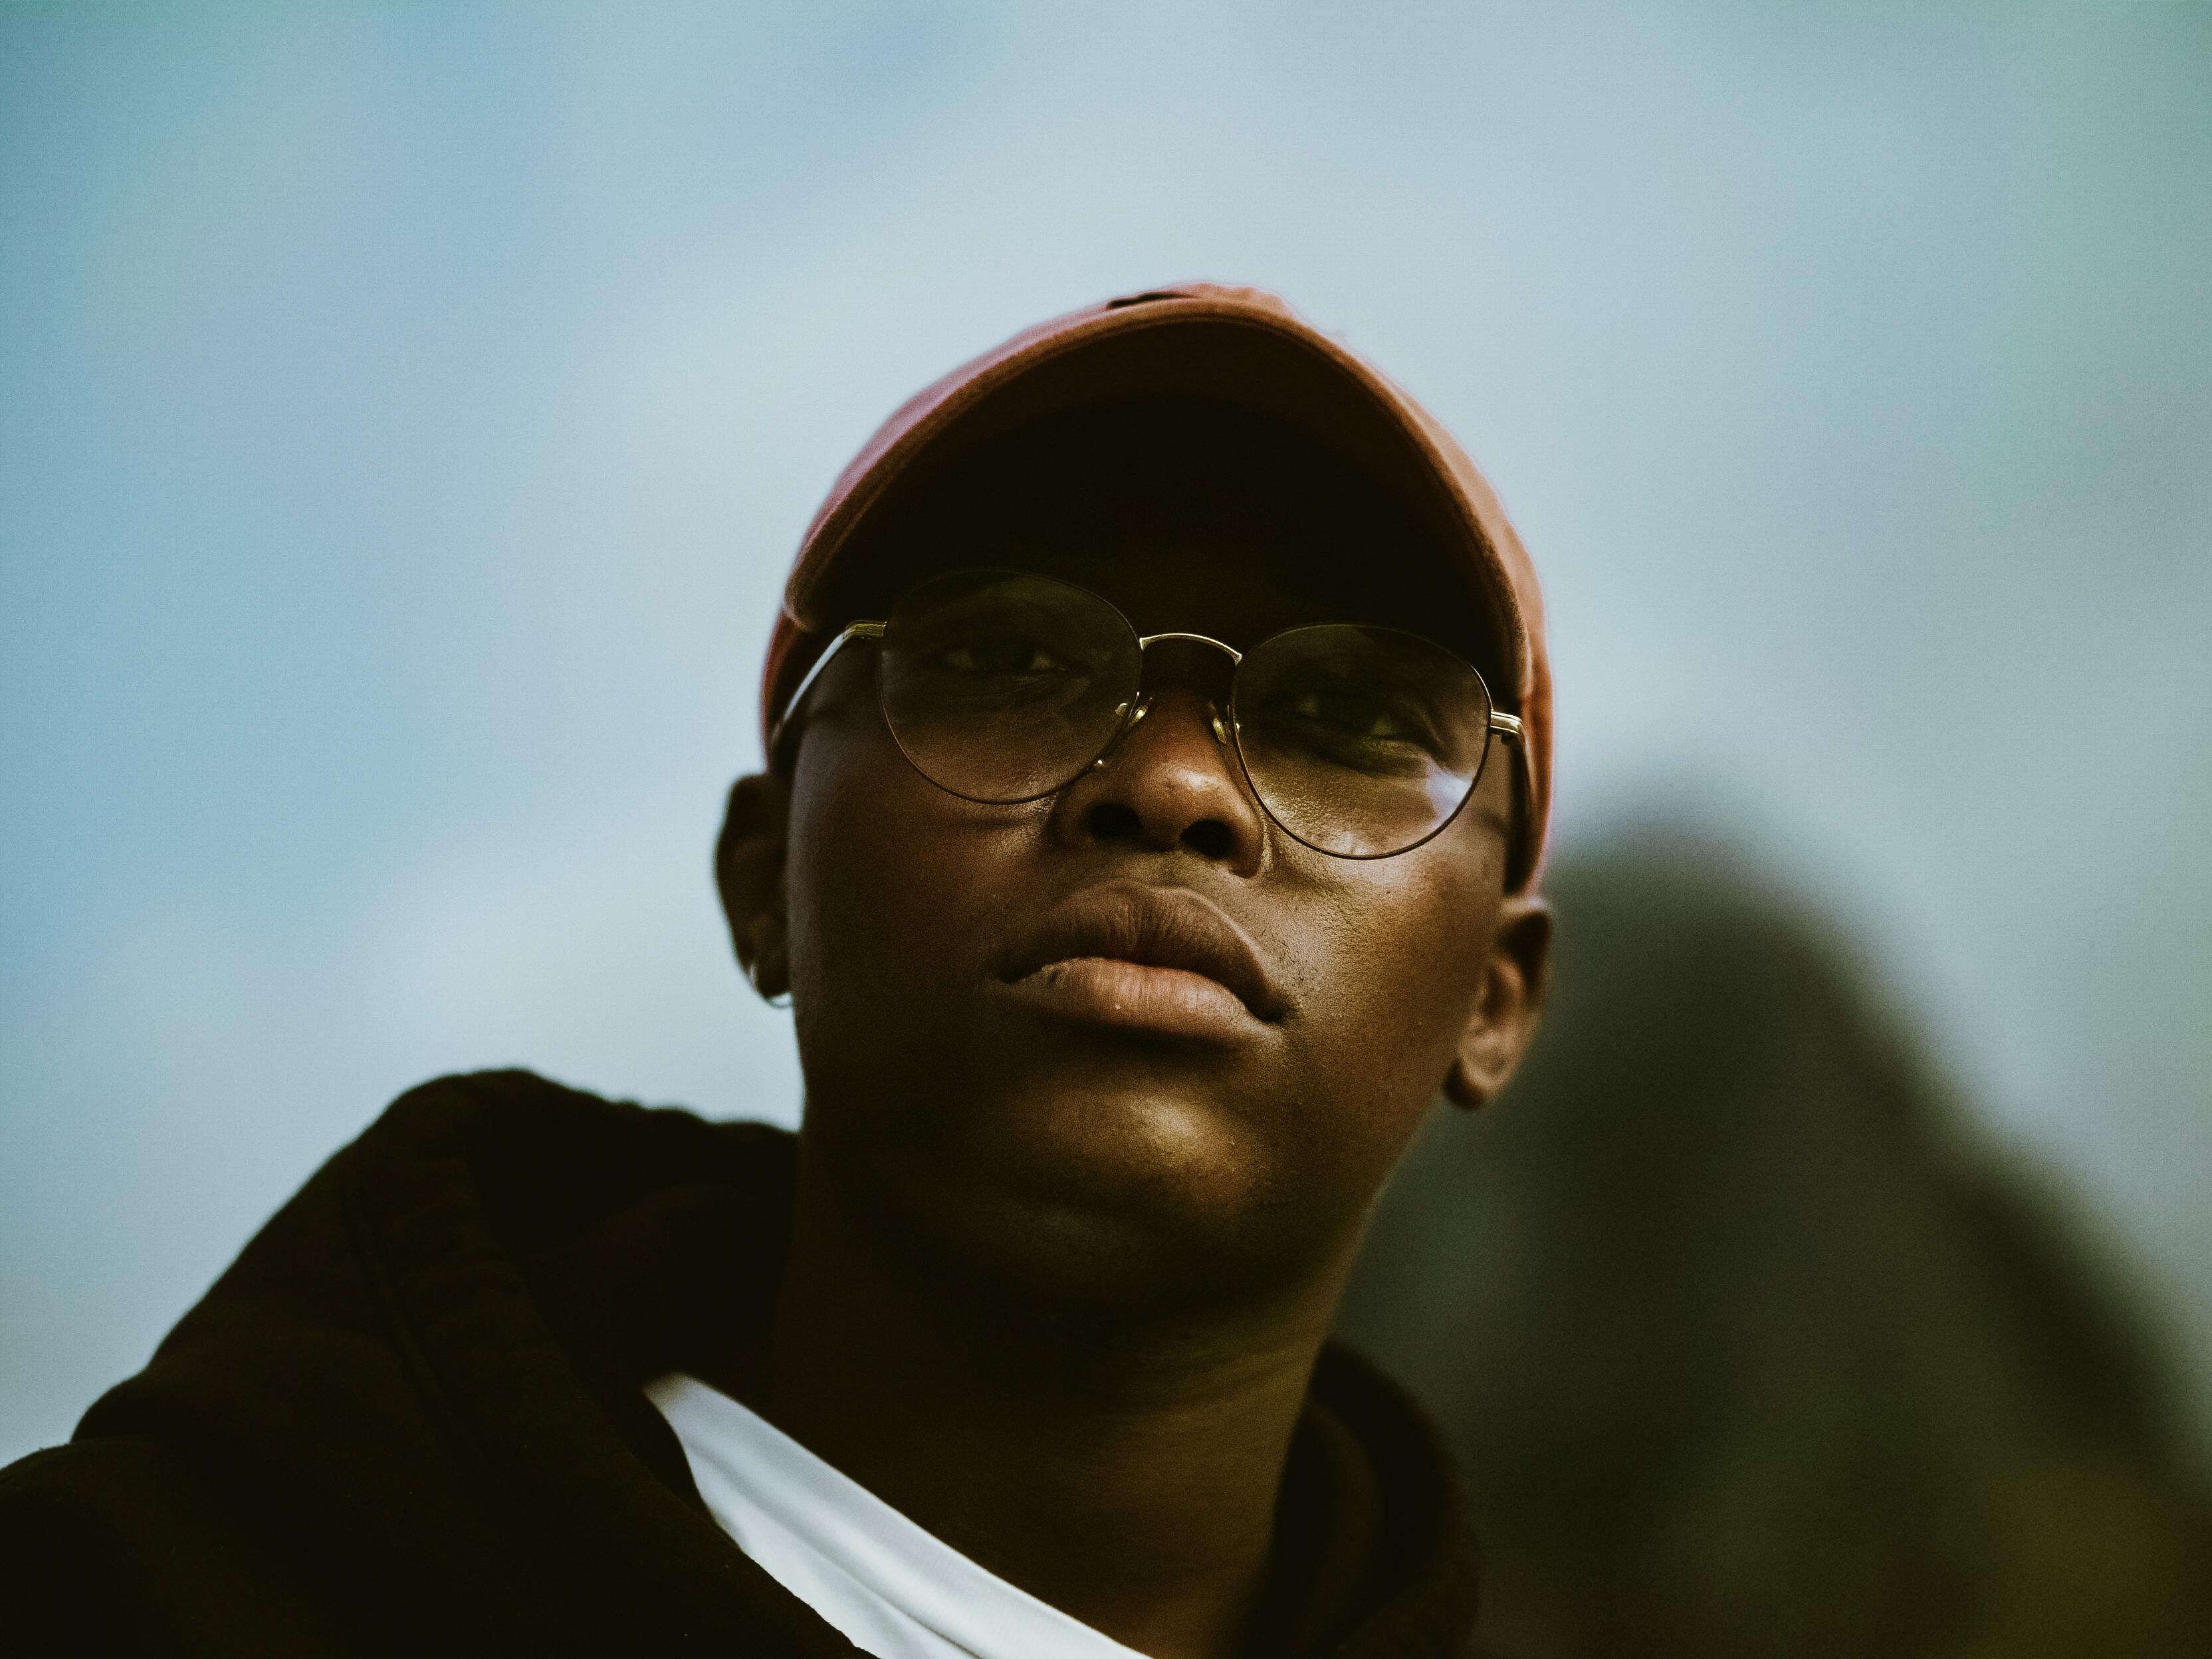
(1746, 1348)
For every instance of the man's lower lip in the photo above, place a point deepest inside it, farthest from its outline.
(1171, 1001)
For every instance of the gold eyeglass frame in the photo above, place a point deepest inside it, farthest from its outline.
(1501, 725)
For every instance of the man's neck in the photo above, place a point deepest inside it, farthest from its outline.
(1119, 1464)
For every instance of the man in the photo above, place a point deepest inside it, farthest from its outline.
(1157, 739)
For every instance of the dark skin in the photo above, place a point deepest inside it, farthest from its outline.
(1056, 1285)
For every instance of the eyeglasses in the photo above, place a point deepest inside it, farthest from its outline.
(1001, 687)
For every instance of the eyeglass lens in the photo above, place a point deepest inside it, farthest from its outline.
(1003, 687)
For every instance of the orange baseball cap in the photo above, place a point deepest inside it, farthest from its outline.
(1243, 346)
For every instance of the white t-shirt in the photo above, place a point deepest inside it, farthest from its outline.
(896, 1591)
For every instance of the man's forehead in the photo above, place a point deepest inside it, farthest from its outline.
(1187, 516)
(1236, 588)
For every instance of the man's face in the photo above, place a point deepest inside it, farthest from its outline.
(1121, 1129)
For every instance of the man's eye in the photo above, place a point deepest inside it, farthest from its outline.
(1363, 719)
(1002, 656)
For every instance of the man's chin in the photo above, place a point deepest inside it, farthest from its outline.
(1099, 1194)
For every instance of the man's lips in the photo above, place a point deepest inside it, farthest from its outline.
(1130, 953)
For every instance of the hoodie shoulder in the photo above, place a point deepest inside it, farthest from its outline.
(407, 1418)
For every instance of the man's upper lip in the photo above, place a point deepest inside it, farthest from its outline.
(1156, 927)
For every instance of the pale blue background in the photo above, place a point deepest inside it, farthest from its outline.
(407, 412)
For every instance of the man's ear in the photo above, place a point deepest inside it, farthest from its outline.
(748, 858)
(1512, 1000)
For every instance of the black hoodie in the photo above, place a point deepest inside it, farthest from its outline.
(409, 1419)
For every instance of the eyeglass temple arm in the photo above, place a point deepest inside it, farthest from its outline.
(858, 630)
(1508, 727)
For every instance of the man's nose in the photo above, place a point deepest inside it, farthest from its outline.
(1170, 781)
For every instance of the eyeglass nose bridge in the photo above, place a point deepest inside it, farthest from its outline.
(1147, 641)
(1134, 711)
(1221, 731)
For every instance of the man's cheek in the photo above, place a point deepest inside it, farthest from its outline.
(1415, 984)
(892, 934)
